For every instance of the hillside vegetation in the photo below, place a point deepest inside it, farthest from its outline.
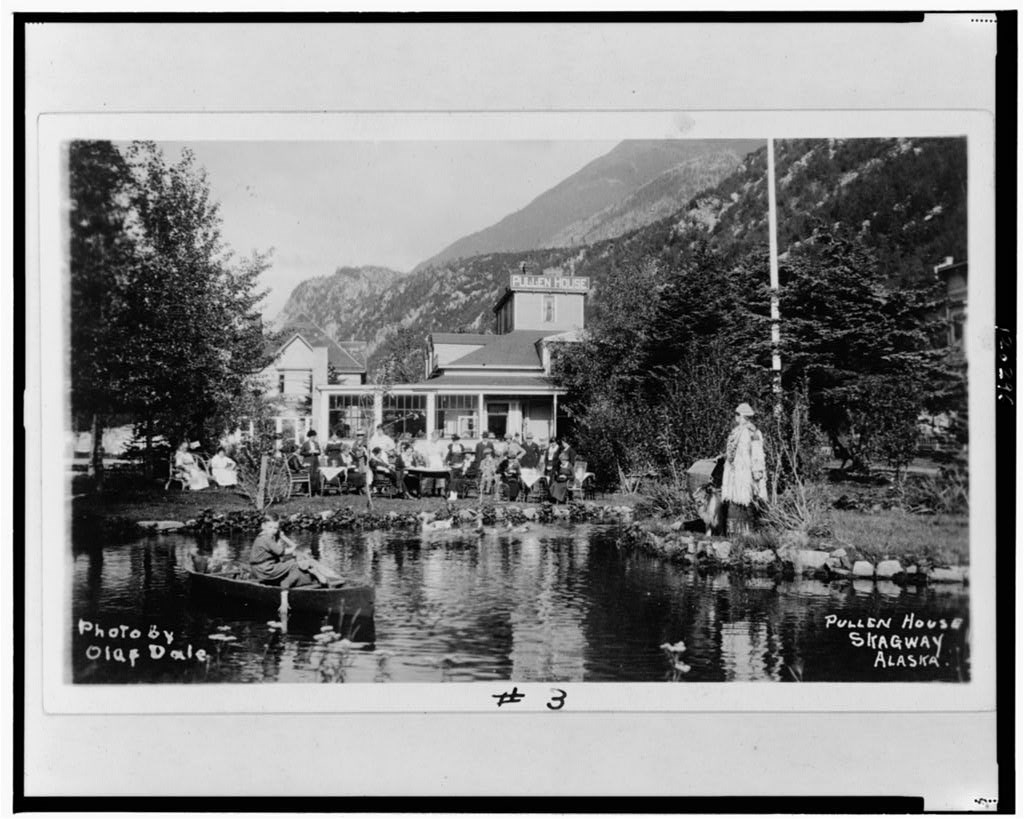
(904, 199)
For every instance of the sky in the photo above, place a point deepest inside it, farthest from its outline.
(324, 205)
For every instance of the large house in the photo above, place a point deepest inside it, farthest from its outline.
(307, 361)
(477, 381)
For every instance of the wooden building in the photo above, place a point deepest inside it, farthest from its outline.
(472, 382)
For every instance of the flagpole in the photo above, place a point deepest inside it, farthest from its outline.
(773, 260)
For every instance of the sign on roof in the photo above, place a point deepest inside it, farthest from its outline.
(567, 284)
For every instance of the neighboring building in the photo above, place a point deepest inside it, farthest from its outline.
(475, 381)
(944, 433)
(954, 274)
(308, 360)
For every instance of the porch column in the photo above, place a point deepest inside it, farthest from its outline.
(482, 421)
(431, 410)
(324, 416)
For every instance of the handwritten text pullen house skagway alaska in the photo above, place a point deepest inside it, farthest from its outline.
(898, 650)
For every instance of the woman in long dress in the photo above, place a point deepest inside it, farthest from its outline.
(560, 478)
(187, 466)
(743, 480)
(224, 470)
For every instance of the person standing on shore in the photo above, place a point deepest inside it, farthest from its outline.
(743, 480)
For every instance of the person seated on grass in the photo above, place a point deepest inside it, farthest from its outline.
(513, 476)
(381, 467)
(488, 473)
(560, 479)
(187, 466)
(224, 470)
(273, 561)
(458, 465)
(405, 457)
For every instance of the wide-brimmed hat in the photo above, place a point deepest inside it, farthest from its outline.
(745, 410)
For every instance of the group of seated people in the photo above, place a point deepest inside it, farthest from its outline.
(195, 474)
(498, 466)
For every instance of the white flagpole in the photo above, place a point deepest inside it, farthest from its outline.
(773, 258)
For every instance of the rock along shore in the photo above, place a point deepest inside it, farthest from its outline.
(716, 554)
(346, 518)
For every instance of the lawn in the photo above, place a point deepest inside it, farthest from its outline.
(937, 539)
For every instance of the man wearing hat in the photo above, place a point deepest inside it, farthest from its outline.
(743, 480)
(531, 454)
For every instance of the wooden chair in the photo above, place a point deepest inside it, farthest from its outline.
(174, 474)
(583, 482)
(298, 476)
(538, 493)
(471, 483)
(384, 484)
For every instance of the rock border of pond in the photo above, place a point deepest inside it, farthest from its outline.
(795, 557)
(249, 520)
(786, 562)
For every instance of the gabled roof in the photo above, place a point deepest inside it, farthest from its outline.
(345, 356)
(493, 383)
(471, 339)
(515, 349)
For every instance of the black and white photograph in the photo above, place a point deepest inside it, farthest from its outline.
(540, 411)
(446, 393)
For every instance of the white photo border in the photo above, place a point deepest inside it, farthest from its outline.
(48, 603)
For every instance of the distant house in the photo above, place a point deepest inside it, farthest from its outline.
(308, 360)
(954, 275)
(479, 381)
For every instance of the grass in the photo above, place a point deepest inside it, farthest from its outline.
(872, 535)
(153, 503)
(891, 534)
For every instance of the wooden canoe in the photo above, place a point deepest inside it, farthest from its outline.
(346, 599)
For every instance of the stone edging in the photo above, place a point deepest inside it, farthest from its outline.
(786, 562)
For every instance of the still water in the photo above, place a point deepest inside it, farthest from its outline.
(555, 603)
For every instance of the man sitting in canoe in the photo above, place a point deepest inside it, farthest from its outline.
(273, 560)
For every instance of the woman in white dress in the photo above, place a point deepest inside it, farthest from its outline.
(743, 481)
(225, 470)
(187, 465)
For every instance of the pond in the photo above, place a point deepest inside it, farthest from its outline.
(554, 603)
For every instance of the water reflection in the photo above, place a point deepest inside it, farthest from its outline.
(549, 604)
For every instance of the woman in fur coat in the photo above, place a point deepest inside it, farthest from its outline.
(743, 480)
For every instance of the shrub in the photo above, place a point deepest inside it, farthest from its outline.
(945, 493)
(667, 500)
(802, 507)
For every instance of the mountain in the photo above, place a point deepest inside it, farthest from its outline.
(590, 204)
(906, 198)
(660, 197)
(335, 302)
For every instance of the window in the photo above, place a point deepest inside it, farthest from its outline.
(349, 413)
(497, 418)
(457, 414)
(280, 384)
(548, 308)
(404, 413)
